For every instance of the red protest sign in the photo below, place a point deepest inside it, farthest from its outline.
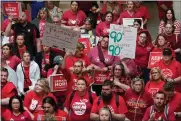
(100, 77)
(58, 83)
(86, 43)
(12, 8)
(154, 58)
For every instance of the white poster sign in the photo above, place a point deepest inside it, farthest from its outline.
(58, 37)
(122, 41)
(129, 21)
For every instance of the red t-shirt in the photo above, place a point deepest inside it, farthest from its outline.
(142, 11)
(125, 14)
(115, 15)
(162, 12)
(21, 51)
(121, 109)
(27, 81)
(102, 29)
(142, 54)
(138, 102)
(13, 62)
(172, 70)
(59, 115)
(9, 116)
(171, 116)
(172, 41)
(74, 19)
(45, 61)
(80, 106)
(152, 87)
(42, 27)
(32, 101)
(7, 91)
(72, 80)
(70, 60)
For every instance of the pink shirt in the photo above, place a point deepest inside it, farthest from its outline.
(109, 59)
(13, 62)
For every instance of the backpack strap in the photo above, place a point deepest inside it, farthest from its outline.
(90, 96)
(117, 100)
(151, 110)
(166, 111)
(99, 100)
(72, 95)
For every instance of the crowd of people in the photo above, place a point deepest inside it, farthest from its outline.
(100, 87)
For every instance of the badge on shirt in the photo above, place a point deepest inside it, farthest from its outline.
(33, 104)
(29, 30)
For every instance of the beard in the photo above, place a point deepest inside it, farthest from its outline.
(106, 97)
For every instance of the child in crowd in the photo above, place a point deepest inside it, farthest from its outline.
(105, 114)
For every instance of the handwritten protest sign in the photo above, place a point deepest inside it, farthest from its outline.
(154, 58)
(122, 41)
(129, 21)
(58, 37)
(12, 8)
(58, 83)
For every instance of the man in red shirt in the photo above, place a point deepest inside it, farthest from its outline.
(159, 111)
(7, 89)
(116, 103)
(75, 74)
(170, 68)
(174, 99)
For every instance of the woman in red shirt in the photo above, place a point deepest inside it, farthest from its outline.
(142, 11)
(119, 78)
(113, 7)
(16, 111)
(20, 47)
(73, 17)
(102, 29)
(33, 99)
(170, 18)
(7, 53)
(128, 13)
(143, 49)
(160, 43)
(156, 81)
(50, 111)
(137, 100)
(79, 103)
(42, 17)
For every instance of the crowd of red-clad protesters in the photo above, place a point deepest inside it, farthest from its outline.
(100, 87)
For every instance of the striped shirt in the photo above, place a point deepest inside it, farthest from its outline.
(176, 25)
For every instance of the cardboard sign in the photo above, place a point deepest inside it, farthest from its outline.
(86, 43)
(129, 21)
(100, 77)
(122, 41)
(59, 37)
(58, 118)
(154, 58)
(58, 83)
(12, 9)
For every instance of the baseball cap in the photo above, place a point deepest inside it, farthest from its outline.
(167, 51)
(58, 60)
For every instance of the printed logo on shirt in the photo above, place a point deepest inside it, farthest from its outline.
(11, 119)
(7, 62)
(79, 108)
(167, 72)
(33, 104)
(22, 117)
(152, 91)
(136, 104)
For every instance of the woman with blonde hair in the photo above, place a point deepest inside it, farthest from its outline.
(33, 99)
(137, 100)
(156, 81)
(42, 17)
